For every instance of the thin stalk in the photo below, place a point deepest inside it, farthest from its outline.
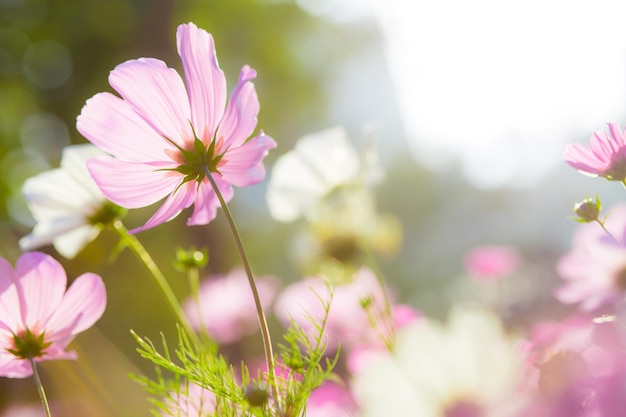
(265, 332)
(389, 340)
(42, 392)
(142, 254)
(601, 223)
(193, 275)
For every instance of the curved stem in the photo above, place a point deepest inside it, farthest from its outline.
(42, 392)
(137, 248)
(267, 341)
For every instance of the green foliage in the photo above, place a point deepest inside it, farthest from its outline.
(303, 355)
(304, 367)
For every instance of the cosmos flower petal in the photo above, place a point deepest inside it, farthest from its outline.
(319, 162)
(62, 200)
(605, 156)
(245, 163)
(205, 208)
(73, 241)
(132, 185)
(157, 94)
(45, 233)
(34, 301)
(582, 159)
(41, 284)
(240, 118)
(9, 298)
(111, 124)
(471, 361)
(182, 198)
(82, 305)
(168, 119)
(11, 367)
(293, 188)
(58, 192)
(205, 80)
(330, 154)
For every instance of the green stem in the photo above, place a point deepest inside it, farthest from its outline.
(42, 392)
(193, 274)
(601, 223)
(142, 254)
(389, 340)
(265, 332)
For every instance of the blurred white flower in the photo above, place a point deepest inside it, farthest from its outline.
(468, 368)
(318, 163)
(66, 204)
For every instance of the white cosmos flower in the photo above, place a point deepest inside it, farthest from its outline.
(468, 368)
(318, 163)
(65, 203)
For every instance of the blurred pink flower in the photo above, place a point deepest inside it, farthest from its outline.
(492, 262)
(38, 318)
(331, 400)
(577, 367)
(595, 269)
(163, 136)
(227, 307)
(605, 157)
(363, 354)
(356, 315)
(191, 401)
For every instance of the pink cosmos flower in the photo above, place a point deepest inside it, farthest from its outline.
(492, 262)
(38, 318)
(226, 307)
(163, 136)
(356, 315)
(595, 269)
(605, 157)
(577, 367)
(331, 400)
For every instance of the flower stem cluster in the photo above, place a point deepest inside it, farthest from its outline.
(197, 161)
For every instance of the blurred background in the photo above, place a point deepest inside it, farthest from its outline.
(469, 104)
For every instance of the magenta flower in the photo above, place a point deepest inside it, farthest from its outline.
(605, 157)
(38, 318)
(164, 137)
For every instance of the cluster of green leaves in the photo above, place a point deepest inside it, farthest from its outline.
(303, 367)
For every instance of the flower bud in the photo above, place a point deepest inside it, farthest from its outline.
(191, 259)
(257, 394)
(587, 210)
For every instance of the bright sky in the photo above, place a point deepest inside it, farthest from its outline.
(502, 85)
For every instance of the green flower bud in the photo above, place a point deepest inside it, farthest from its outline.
(191, 259)
(257, 394)
(587, 210)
